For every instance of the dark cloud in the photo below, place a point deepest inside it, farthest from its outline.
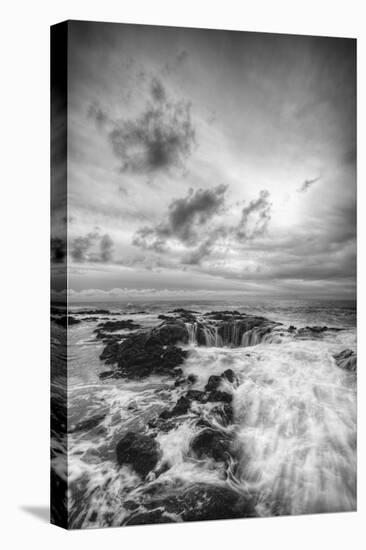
(204, 250)
(159, 139)
(188, 214)
(106, 248)
(93, 247)
(191, 221)
(255, 217)
(306, 184)
(186, 219)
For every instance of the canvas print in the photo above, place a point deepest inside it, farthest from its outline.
(203, 275)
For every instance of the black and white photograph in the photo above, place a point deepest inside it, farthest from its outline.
(203, 288)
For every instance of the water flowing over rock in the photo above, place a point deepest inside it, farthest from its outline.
(211, 443)
(347, 359)
(228, 415)
(233, 329)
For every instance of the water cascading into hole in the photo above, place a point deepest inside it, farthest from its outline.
(229, 335)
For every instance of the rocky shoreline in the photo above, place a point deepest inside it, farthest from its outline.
(207, 411)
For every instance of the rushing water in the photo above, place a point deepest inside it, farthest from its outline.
(294, 426)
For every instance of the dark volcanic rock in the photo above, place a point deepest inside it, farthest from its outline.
(213, 383)
(315, 331)
(224, 315)
(220, 396)
(107, 374)
(229, 375)
(209, 502)
(93, 312)
(347, 359)
(149, 352)
(141, 355)
(200, 502)
(196, 395)
(139, 451)
(146, 518)
(171, 332)
(181, 407)
(210, 443)
(113, 326)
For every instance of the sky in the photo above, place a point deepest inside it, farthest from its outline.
(208, 163)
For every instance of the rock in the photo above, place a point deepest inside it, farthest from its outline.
(107, 374)
(210, 443)
(198, 502)
(139, 451)
(113, 326)
(203, 501)
(181, 407)
(315, 331)
(196, 395)
(93, 312)
(213, 383)
(192, 378)
(224, 315)
(220, 396)
(143, 354)
(166, 318)
(146, 518)
(87, 424)
(179, 382)
(229, 375)
(163, 423)
(346, 359)
(171, 332)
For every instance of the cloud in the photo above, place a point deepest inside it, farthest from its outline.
(204, 250)
(193, 221)
(306, 184)
(106, 248)
(162, 137)
(82, 249)
(255, 217)
(186, 218)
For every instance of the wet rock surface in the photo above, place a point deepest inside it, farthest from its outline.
(314, 331)
(210, 443)
(197, 502)
(347, 359)
(191, 436)
(139, 451)
(103, 329)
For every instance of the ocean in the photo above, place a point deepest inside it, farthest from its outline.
(279, 438)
